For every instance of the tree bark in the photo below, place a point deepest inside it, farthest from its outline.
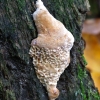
(18, 80)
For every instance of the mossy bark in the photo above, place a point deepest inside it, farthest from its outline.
(18, 80)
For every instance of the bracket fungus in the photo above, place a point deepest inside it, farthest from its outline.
(51, 49)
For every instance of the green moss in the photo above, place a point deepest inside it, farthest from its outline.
(8, 8)
(10, 95)
(60, 13)
(21, 4)
(29, 22)
(6, 94)
(81, 75)
(95, 95)
(84, 60)
(86, 93)
(83, 91)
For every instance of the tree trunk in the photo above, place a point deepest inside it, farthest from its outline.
(18, 80)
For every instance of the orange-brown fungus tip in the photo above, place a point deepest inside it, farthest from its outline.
(53, 93)
(51, 49)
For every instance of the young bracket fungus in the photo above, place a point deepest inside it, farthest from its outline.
(51, 49)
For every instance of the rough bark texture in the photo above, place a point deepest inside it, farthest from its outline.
(18, 80)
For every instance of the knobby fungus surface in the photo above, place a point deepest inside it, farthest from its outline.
(51, 49)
